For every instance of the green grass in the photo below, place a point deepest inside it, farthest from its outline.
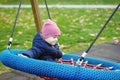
(63, 1)
(78, 26)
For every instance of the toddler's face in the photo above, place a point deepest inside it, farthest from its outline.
(52, 40)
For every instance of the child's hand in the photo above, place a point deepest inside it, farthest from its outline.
(22, 55)
(63, 53)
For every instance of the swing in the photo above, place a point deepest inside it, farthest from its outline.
(69, 67)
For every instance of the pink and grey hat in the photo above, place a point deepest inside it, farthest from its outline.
(50, 29)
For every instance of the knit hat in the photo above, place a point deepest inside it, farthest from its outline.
(50, 29)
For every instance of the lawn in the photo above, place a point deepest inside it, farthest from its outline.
(79, 26)
(63, 1)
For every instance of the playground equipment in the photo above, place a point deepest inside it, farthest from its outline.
(69, 67)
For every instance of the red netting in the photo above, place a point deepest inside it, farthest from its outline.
(84, 64)
(47, 78)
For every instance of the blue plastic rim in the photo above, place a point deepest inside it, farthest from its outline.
(60, 71)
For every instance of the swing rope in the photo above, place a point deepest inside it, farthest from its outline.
(14, 26)
(80, 60)
(16, 18)
(47, 10)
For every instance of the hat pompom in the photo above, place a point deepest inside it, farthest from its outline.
(50, 29)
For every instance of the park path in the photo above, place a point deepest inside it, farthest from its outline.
(61, 6)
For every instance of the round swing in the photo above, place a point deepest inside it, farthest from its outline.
(65, 69)
(69, 67)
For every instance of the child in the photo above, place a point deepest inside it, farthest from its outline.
(45, 46)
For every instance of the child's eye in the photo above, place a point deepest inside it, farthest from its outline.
(54, 37)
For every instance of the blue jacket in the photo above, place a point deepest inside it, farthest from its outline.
(42, 50)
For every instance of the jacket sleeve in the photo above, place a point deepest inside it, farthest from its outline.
(54, 51)
(59, 54)
(33, 52)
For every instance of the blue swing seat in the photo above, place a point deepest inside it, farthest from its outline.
(60, 71)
